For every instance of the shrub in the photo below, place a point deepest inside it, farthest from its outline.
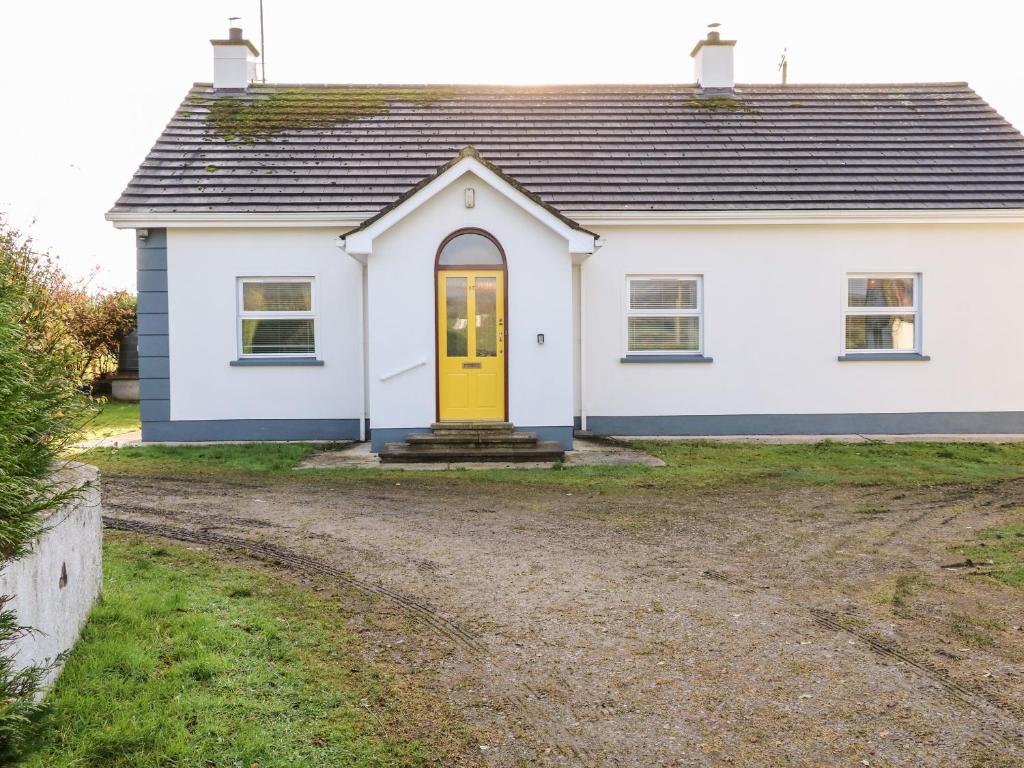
(98, 321)
(40, 411)
(90, 322)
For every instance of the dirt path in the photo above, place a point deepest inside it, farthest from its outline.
(808, 627)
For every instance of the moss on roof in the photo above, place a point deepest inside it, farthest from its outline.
(718, 104)
(248, 120)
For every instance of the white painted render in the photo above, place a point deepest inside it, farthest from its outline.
(233, 67)
(713, 66)
(360, 242)
(773, 320)
(401, 309)
(203, 267)
(577, 339)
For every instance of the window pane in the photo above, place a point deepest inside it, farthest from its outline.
(486, 317)
(470, 248)
(663, 294)
(278, 337)
(885, 332)
(456, 316)
(668, 334)
(277, 297)
(881, 291)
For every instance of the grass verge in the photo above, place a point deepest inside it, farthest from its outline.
(188, 662)
(1004, 546)
(690, 465)
(113, 418)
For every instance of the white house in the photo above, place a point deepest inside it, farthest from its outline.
(331, 262)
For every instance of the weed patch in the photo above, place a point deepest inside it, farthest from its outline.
(976, 631)
(1004, 546)
(904, 589)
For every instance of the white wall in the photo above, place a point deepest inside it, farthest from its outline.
(401, 309)
(773, 320)
(72, 545)
(773, 298)
(203, 266)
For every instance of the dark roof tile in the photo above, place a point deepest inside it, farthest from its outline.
(587, 148)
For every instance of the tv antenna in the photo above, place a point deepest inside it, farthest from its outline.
(784, 67)
(263, 47)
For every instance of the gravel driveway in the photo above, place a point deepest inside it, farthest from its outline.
(748, 627)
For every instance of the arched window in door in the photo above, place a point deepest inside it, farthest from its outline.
(470, 248)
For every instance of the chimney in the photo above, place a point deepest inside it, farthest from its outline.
(234, 60)
(712, 62)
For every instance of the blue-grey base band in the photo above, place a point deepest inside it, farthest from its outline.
(381, 435)
(250, 429)
(935, 423)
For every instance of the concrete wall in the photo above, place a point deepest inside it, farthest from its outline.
(401, 311)
(773, 322)
(56, 584)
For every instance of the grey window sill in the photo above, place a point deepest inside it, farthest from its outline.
(876, 357)
(666, 359)
(264, 361)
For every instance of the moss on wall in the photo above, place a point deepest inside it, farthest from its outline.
(249, 120)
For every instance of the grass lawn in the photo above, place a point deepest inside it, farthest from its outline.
(1004, 546)
(189, 662)
(114, 418)
(690, 465)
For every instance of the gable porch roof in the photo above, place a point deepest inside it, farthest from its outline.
(359, 241)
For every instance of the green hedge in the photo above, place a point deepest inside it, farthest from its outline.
(40, 411)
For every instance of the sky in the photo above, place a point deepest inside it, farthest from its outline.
(87, 86)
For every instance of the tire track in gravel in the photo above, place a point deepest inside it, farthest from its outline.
(993, 708)
(563, 743)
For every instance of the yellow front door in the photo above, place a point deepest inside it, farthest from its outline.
(471, 345)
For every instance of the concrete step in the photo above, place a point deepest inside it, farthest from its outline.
(466, 437)
(544, 450)
(455, 427)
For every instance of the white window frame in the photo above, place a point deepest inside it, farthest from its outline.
(311, 314)
(915, 310)
(698, 313)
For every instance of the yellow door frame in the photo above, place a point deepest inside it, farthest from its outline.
(471, 272)
(482, 374)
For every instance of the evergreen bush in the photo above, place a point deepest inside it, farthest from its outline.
(41, 410)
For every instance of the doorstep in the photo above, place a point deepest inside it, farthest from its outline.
(584, 453)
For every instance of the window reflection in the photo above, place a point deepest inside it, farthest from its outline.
(456, 314)
(469, 249)
(486, 317)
